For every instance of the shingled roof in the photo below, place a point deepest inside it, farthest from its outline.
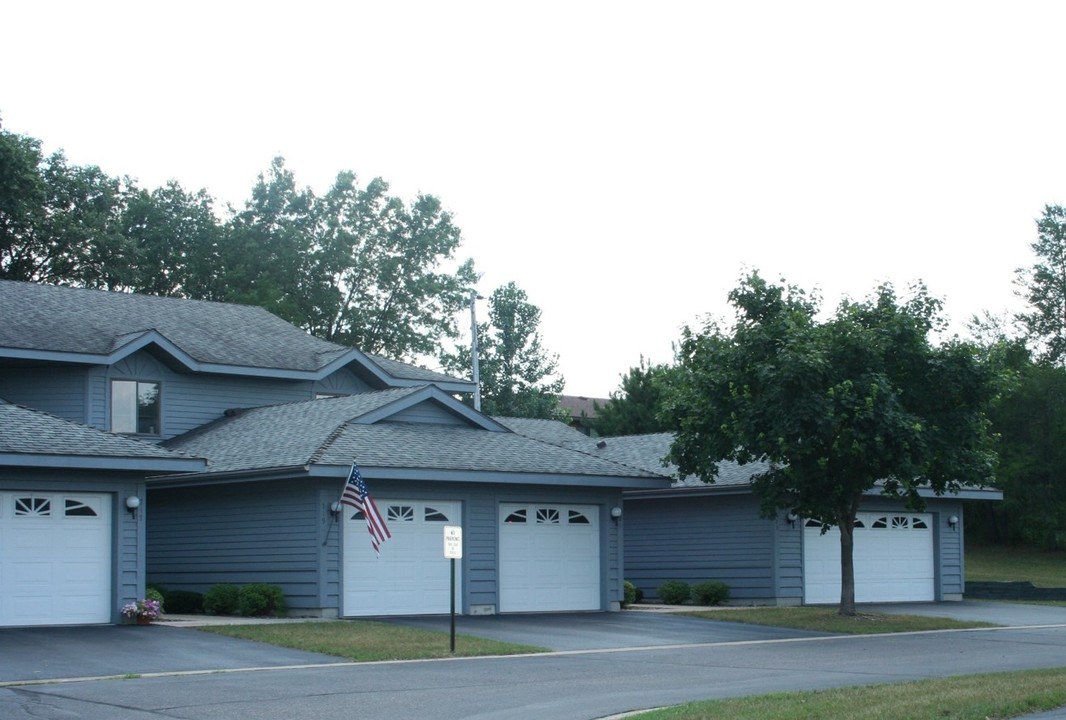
(334, 431)
(32, 437)
(83, 324)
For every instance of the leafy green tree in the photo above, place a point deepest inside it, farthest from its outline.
(518, 376)
(393, 285)
(22, 202)
(1030, 422)
(837, 408)
(60, 223)
(634, 409)
(176, 238)
(1045, 288)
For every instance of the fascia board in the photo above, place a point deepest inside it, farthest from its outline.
(97, 462)
(481, 477)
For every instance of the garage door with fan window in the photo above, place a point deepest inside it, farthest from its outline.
(893, 559)
(411, 575)
(55, 558)
(549, 557)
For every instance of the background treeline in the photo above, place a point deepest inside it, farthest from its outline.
(354, 265)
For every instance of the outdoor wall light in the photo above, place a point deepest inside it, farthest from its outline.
(953, 521)
(132, 503)
(335, 508)
(792, 518)
(616, 512)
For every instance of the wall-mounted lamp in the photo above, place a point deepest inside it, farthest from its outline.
(132, 503)
(616, 513)
(792, 517)
(335, 508)
(953, 521)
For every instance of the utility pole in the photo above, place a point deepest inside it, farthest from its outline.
(474, 297)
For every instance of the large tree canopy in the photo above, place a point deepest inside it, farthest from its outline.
(518, 376)
(356, 266)
(837, 408)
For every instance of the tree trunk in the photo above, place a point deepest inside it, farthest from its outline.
(847, 565)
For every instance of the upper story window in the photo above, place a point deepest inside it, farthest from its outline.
(135, 407)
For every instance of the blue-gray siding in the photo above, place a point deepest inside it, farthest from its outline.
(722, 537)
(281, 532)
(188, 401)
(59, 391)
(697, 538)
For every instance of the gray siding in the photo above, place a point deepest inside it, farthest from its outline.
(59, 391)
(127, 531)
(238, 534)
(190, 401)
(283, 533)
(700, 538)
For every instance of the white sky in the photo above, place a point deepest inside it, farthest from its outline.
(624, 163)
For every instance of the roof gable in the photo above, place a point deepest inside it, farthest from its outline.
(64, 324)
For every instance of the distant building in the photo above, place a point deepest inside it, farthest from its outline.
(582, 410)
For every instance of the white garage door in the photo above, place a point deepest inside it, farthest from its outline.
(893, 559)
(411, 577)
(549, 557)
(55, 558)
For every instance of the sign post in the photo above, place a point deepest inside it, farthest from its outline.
(453, 550)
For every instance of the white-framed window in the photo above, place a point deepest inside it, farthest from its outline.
(135, 407)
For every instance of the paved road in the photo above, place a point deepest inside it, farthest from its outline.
(572, 685)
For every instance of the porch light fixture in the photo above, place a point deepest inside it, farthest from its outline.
(335, 508)
(616, 513)
(792, 517)
(132, 503)
(953, 521)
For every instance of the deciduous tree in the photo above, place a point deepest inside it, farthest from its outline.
(860, 402)
(519, 378)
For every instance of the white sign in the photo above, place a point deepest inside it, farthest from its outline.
(453, 542)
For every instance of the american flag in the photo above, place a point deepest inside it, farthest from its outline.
(356, 495)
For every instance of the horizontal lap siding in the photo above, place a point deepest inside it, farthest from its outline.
(696, 539)
(190, 401)
(58, 391)
(199, 537)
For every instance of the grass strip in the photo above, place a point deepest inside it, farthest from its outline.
(827, 619)
(367, 641)
(992, 696)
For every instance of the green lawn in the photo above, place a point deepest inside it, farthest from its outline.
(827, 619)
(971, 697)
(367, 641)
(997, 563)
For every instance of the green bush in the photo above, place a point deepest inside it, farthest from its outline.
(260, 599)
(184, 602)
(710, 592)
(153, 592)
(222, 599)
(630, 594)
(675, 592)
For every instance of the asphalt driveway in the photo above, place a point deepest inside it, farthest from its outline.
(46, 653)
(43, 653)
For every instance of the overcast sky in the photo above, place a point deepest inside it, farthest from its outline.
(623, 163)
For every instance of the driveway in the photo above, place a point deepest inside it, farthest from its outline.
(94, 651)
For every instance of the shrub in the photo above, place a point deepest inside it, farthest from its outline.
(675, 592)
(260, 599)
(221, 599)
(710, 592)
(630, 594)
(153, 592)
(184, 602)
